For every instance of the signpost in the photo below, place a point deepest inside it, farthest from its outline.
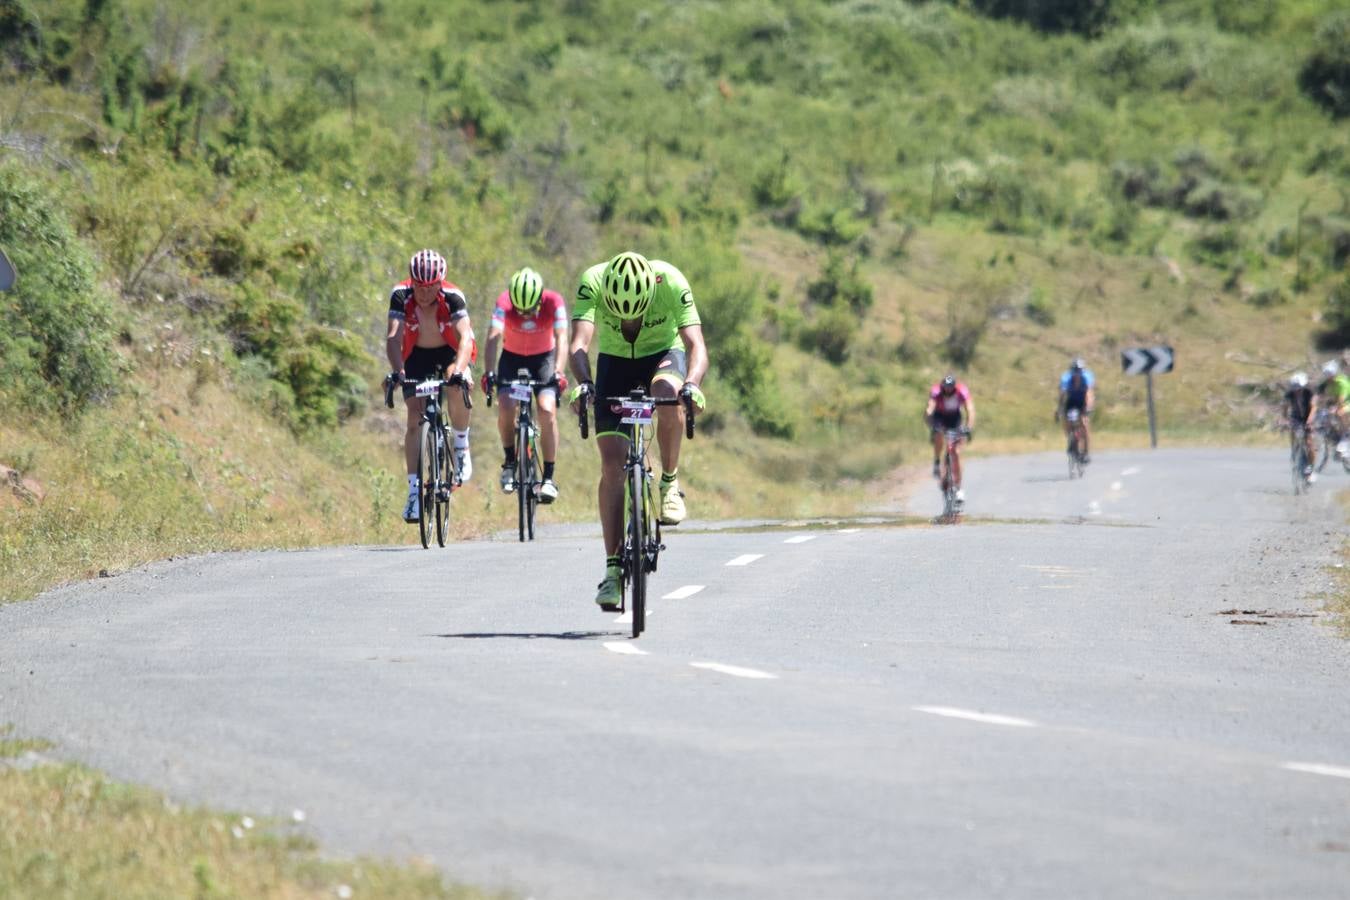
(1145, 361)
(7, 274)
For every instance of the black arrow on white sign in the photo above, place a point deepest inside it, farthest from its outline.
(1146, 360)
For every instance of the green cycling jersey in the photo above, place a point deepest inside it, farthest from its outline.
(1338, 388)
(671, 309)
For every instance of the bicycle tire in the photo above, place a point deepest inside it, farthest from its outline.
(536, 479)
(426, 478)
(637, 560)
(522, 478)
(445, 474)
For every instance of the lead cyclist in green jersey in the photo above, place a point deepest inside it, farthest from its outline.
(651, 338)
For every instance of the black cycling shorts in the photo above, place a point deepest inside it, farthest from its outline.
(1075, 401)
(539, 365)
(946, 421)
(615, 376)
(423, 363)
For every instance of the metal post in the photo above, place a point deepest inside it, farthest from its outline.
(1152, 419)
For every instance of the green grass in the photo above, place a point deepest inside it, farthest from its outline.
(73, 833)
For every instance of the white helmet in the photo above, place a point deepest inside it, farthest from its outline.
(1299, 379)
(1331, 369)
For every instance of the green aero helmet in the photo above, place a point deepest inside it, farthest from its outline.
(628, 284)
(526, 289)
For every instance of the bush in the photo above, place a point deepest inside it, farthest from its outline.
(1325, 75)
(56, 325)
(840, 282)
(1039, 309)
(1089, 17)
(1337, 318)
(1216, 246)
(830, 334)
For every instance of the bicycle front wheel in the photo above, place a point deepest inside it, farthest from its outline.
(445, 472)
(637, 548)
(426, 486)
(524, 485)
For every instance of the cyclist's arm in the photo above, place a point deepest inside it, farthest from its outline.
(1091, 400)
(494, 340)
(928, 411)
(580, 349)
(970, 413)
(393, 345)
(696, 353)
(465, 333)
(560, 341)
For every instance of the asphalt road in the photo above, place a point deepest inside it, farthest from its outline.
(1114, 687)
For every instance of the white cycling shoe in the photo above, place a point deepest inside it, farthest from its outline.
(463, 464)
(412, 511)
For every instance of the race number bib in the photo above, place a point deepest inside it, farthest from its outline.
(635, 413)
(521, 392)
(428, 388)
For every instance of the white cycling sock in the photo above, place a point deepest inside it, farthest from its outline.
(412, 482)
(461, 438)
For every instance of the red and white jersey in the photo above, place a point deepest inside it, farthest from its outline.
(949, 403)
(529, 334)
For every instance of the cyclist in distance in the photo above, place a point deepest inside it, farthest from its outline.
(1300, 406)
(651, 338)
(948, 401)
(1333, 393)
(1077, 390)
(529, 324)
(429, 329)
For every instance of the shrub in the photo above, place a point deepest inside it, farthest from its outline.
(1325, 75)
(55, 325)
(1089, 17)
(1216, 246)
(830, 334)
(1336, 318)
(840, 282)
(965, 328)
(1039, 309)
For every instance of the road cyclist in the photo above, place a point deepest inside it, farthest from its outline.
(429, 332)
(950, 415)
(650, 339)
(1077, 395)
(529, 326)
(1300, 406)
(1333, 395)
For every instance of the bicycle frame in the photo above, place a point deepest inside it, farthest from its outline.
(521, 391)
(951, 438)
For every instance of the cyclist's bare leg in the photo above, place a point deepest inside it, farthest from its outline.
(415, 406)
(506, 421)
(938, 438)
(548, 425)
(956, 464)
(613, 452)
(1087, 434)
(669, 423)
(459, 413)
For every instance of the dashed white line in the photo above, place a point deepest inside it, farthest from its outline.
(621, 647)
(800, 539)
(626, 618)
(738, 671)
(745, 560)
(848, 531)
(1317, 769)
(1116, 486)
(688, 590)
(1132, 470)
(952, 712)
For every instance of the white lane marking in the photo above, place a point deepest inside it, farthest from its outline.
(1094, 508)
(621, 647)
(800, 539)
(745, 560)
(688, 590)
(1116, 485)
(952, 712)
(1317, 769)
(1132, 470)
(626, 618)
(738, 671)
(848, 531)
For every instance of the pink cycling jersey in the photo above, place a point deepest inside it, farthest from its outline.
(529, 334)
(949, 403)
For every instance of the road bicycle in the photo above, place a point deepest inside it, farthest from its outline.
(1077, 440)
(1299, 464)
(1326, 427)
(951, 507)
(642, 530)
(437, 477)
(529, 473)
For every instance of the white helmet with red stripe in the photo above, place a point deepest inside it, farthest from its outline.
(427, 267)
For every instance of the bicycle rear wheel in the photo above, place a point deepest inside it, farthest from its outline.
(536, 478)
(426, 482)
(524, 486)
(637, 544)
(445, 472)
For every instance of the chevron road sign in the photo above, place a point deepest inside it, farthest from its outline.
(1146, 360)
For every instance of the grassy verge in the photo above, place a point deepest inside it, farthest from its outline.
(72, 833)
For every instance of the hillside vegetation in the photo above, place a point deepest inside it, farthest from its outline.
(207, 205)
